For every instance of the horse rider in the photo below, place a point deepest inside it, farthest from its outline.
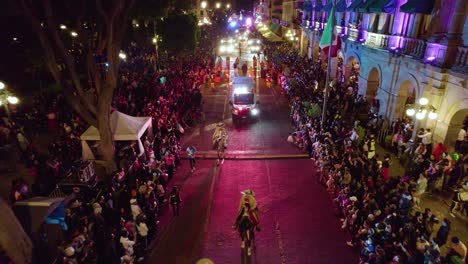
(248, 206)
(219, 134)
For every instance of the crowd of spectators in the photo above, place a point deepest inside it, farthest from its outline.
(116, 222)
(381, 213)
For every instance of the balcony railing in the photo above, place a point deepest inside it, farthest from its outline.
(461, 60)
(377, 41)
(413, 47)
(353, 34)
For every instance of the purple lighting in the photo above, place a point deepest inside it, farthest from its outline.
(393, 48)
(430, 58)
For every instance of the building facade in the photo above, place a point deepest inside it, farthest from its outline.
(404, 50)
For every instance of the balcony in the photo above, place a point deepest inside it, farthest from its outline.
(461, 60)
(377, 41)
(353, 34)
(305, 23)
(413, 47)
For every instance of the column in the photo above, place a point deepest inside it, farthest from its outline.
(457, 22)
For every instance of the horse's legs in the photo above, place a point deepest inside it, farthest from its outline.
(249, 238)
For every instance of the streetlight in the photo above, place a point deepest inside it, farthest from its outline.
(203, 4)
(420, 111)
(218, 5)
(7, 98)
(62, 26)
(74, 34)
(122, 55)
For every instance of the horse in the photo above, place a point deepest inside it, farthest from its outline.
(245, 226)
(220, 146)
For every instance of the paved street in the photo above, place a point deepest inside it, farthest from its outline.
(298, 224)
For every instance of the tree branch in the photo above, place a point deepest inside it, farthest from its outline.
(52, 27)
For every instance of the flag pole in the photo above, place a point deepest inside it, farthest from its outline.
(327, 80)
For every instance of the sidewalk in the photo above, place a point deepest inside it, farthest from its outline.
(439, 203)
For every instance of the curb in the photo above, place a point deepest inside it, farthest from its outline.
(250, 157)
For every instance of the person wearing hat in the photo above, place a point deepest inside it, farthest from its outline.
(248, 198)
(220, 136)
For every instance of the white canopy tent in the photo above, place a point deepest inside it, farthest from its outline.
(123, 127)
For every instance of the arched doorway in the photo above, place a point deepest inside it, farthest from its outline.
(373, 83)
(406, 95)
(352, 68)
(459, 120)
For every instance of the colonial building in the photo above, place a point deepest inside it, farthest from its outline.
(404, 50)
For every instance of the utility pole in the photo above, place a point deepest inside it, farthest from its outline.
(329, 64)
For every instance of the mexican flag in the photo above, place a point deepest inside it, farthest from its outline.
(327, 35)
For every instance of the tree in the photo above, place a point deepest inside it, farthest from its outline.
(179, 31)
(76, 61)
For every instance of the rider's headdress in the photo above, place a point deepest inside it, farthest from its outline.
(248, 192)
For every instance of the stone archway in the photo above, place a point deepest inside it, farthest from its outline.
(373, 84)
(352, 68)
(458, 120)
(406, 95)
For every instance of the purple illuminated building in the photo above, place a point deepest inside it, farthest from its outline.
(404, 50)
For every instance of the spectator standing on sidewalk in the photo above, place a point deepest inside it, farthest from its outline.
(457, 248)
(426, 139)
(443, 232)
(191, 150)
(175, 200)
(460, 138)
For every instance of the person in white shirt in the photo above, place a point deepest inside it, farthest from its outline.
(127, 244)
(135, 208)
(427, 140)
(142, 229)
(460, 138)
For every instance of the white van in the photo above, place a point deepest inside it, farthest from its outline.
(243, 99)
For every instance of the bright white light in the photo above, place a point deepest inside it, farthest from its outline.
(218, 5)
(230, 48)
(12, 99)
(74, 34)
(2, 86)
(122, 56)
(420, 115)
(222, 49)
(154, 40)
(250, 41)
(410, 112)
(241, 90)
(62, 26)
(423, 101)
(228, 6)
(432, 115)
(255, 111)
(203, 4)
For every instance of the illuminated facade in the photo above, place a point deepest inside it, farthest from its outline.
(405, 50)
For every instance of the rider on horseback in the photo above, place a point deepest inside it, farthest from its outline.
(220, 135)
(248, 206)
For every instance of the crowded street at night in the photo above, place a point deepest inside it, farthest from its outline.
(226, 132)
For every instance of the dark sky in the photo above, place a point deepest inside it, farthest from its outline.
(247, 5)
